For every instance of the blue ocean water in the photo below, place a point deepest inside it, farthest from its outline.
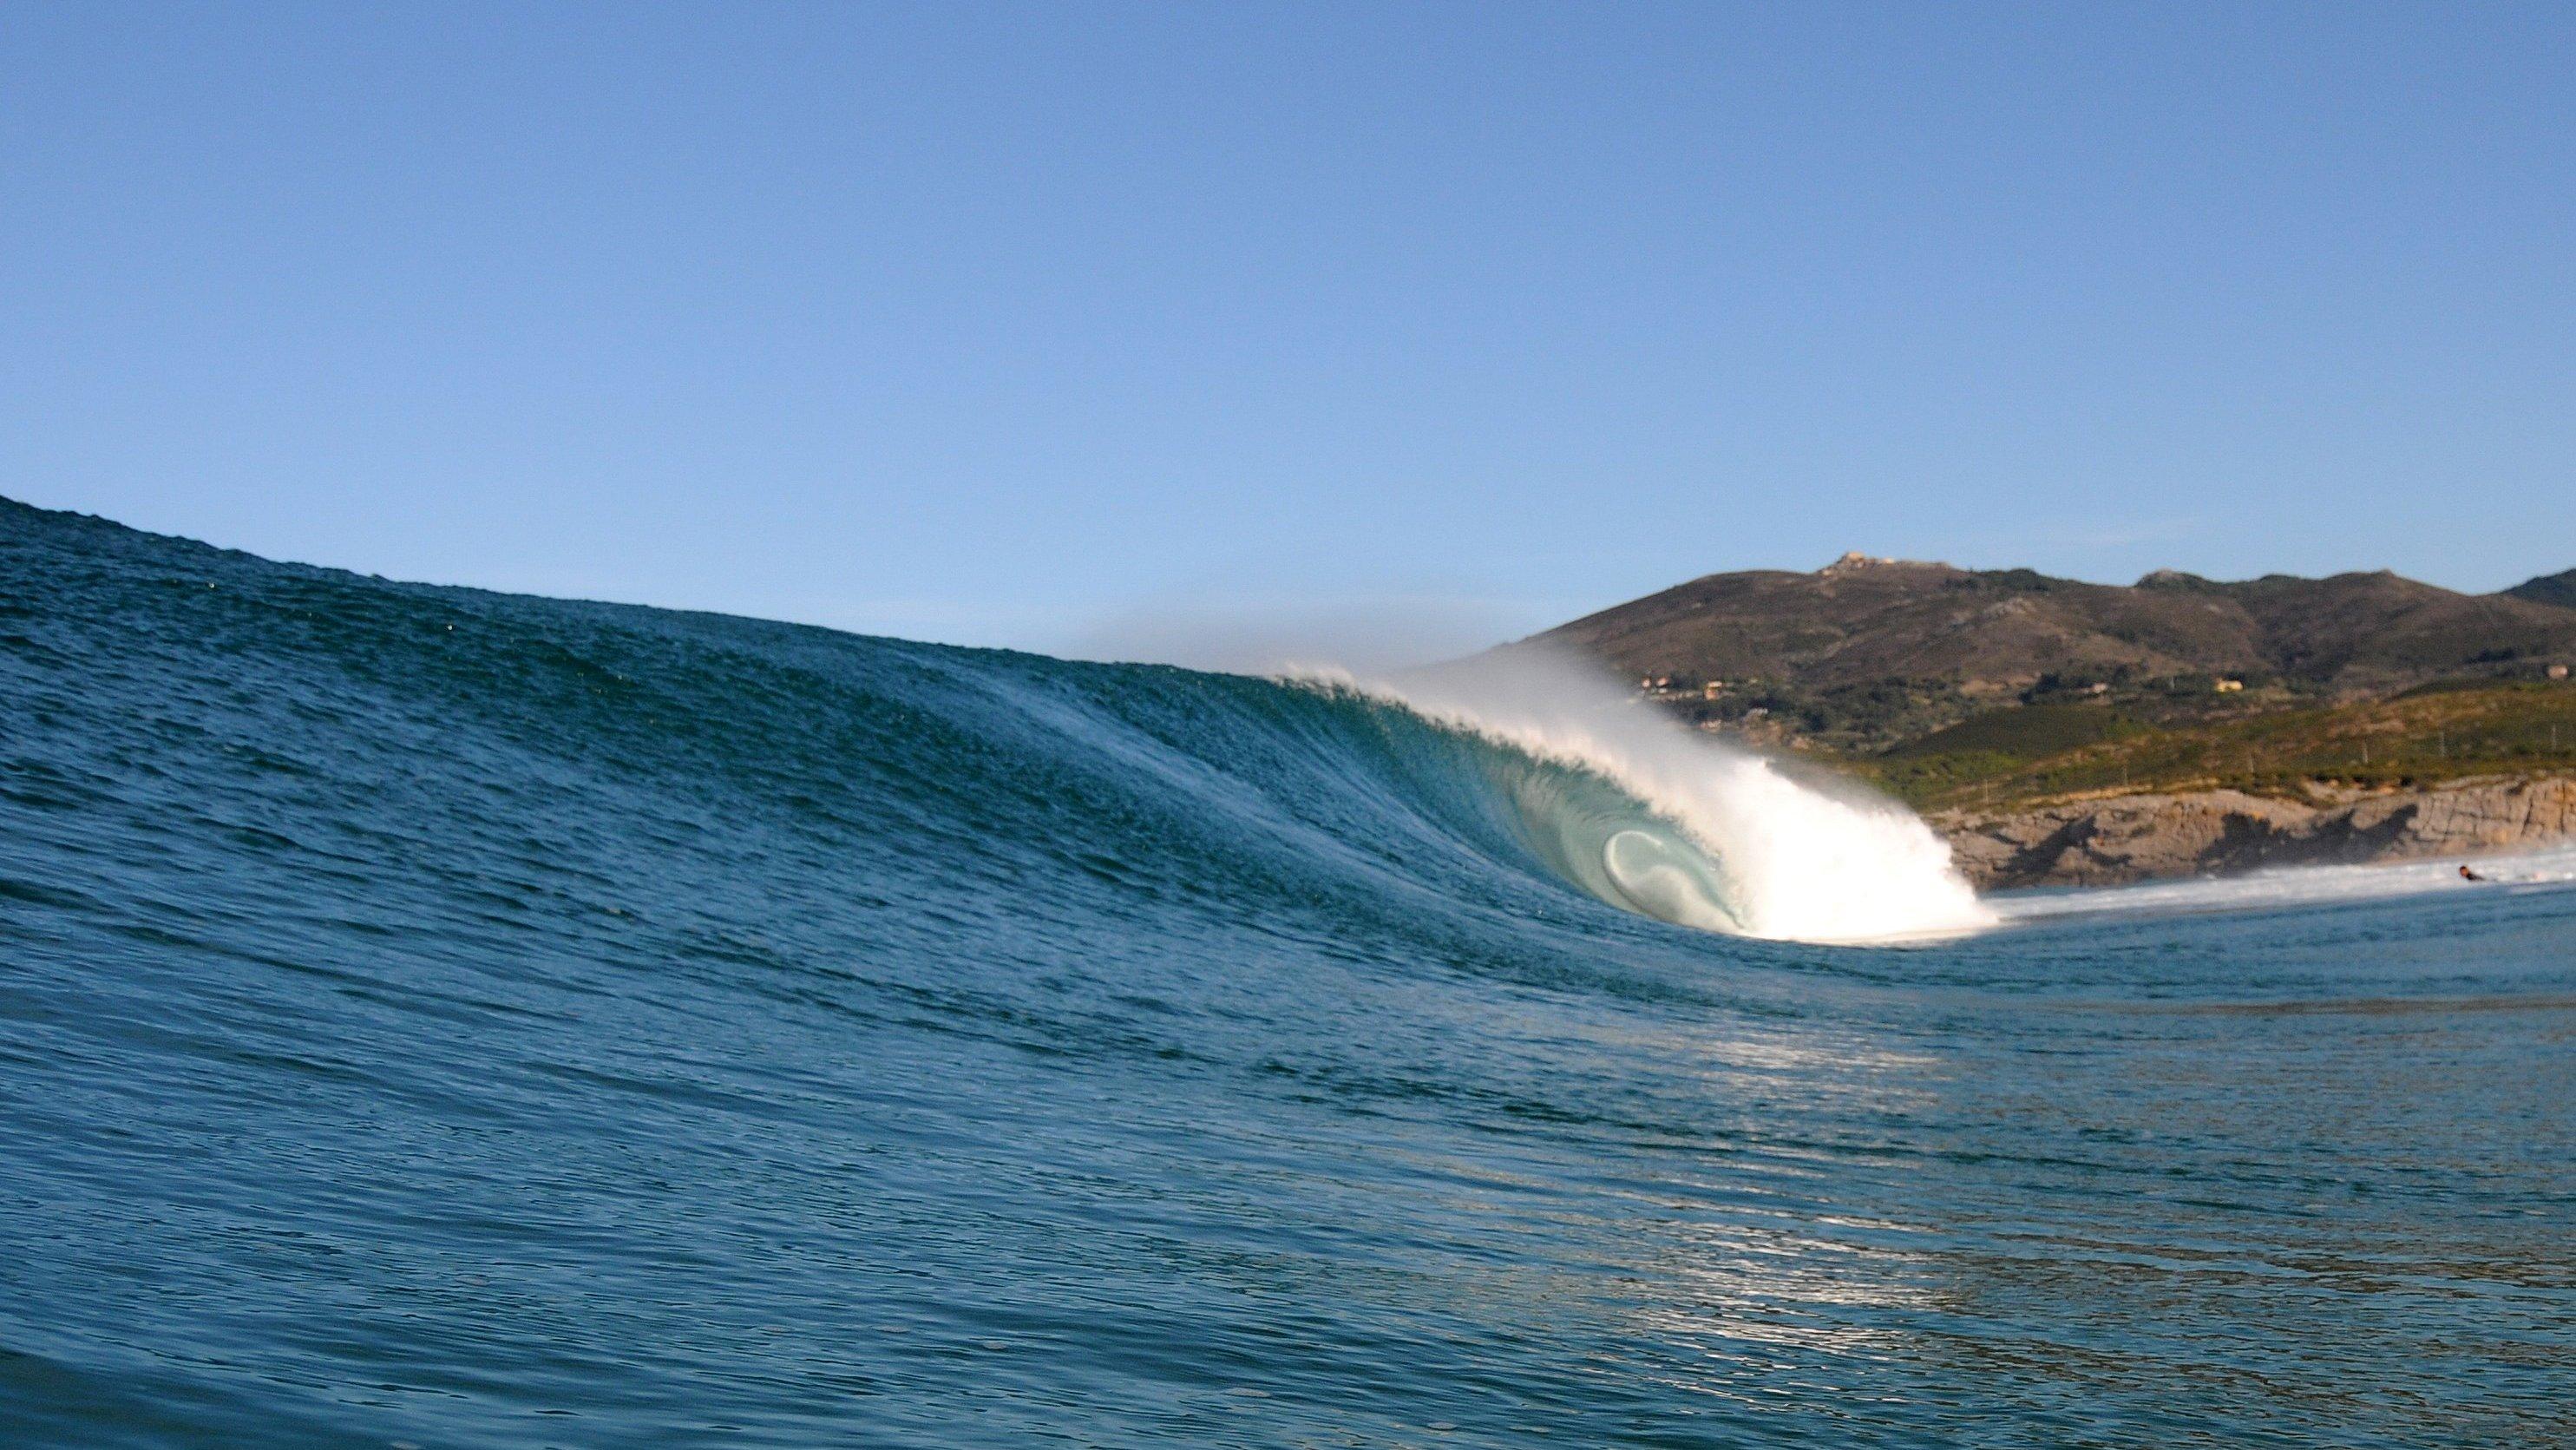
(438, 1018)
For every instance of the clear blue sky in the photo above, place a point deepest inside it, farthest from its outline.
(1004, 324)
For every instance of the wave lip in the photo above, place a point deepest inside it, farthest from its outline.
(1705, 834)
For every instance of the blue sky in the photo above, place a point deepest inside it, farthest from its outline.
(1022, 325)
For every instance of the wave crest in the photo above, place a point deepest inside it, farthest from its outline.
(1700, 833)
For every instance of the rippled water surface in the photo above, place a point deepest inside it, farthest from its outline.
(440, 1018)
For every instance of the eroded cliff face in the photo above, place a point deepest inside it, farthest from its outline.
(2139, 837)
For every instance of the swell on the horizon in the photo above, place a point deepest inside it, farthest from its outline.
(1695, 832)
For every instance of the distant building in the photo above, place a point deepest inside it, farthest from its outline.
(1852, 561)
(1715, 688)
(2228, 687)
(2557, 672)
(2097, 688)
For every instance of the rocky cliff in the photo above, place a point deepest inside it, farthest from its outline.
(2103, 842)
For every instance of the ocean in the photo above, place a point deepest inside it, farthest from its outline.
(440, 1018)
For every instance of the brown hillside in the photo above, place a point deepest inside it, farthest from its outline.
(1866, 652)
(1861, 620)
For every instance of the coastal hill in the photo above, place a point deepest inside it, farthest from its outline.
(2208, 725)
(2558, 589)
(1867, 653)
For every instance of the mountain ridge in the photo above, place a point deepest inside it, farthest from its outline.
(2558, 589)
(1866, 653)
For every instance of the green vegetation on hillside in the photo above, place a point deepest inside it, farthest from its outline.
(2433, 733)
(1989, 688)
(1996, 744)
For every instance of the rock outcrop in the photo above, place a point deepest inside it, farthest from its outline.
(2105, 842)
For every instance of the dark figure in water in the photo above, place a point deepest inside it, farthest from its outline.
(2468, 875)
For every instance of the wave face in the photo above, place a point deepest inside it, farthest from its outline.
(1687, 830)
(441, 1017)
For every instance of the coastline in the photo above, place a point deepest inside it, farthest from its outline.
(2117, 839)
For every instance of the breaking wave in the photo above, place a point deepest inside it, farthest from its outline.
(1681, 827)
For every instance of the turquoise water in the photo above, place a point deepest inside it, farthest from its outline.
(440, 1018)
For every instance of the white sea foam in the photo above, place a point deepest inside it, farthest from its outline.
(2289, 886)
(1784, 858)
